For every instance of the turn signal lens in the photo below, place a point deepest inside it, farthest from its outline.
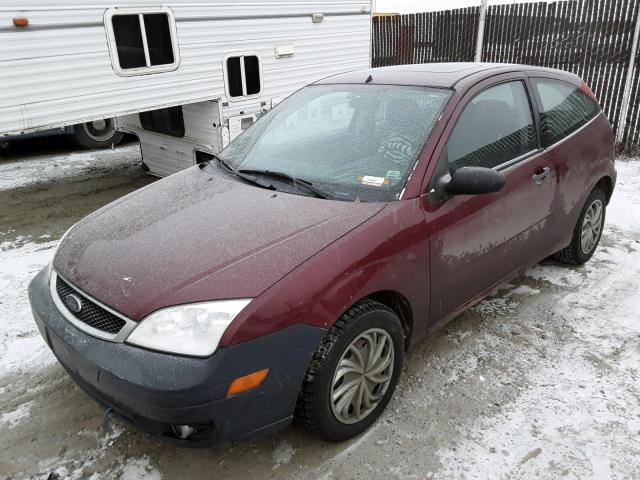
(20, 22)
(242, 384)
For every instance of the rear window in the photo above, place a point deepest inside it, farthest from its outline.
(563, 108)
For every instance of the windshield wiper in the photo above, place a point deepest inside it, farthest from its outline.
(306, 184)
(247, 178)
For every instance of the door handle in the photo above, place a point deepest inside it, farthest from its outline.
(541, 174)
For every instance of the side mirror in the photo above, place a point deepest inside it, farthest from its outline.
(472, 181)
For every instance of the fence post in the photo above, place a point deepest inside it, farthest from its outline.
(480, 38)
(626, 93)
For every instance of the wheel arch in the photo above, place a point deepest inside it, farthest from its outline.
(606, 184)
(399, 304)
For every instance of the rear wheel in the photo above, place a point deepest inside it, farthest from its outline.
(587, 232)
(96, 134)
(353, 373)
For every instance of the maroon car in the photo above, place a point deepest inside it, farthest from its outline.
(287, 277)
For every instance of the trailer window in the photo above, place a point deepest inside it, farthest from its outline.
(126, 29)
(234, 77)
(142, 41)
(158, 38)
(243, 76)
(252, 74)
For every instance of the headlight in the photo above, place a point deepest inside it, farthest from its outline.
(194, 329)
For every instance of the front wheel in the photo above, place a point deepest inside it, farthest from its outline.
(353, 373)
(587, 232)
(96, 134)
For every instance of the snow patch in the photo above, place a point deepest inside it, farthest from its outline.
(19, 173)
(11, 419)
(523, 290)
(139, 469)
(495, 307)
(624, 210)
(21, 347)
(559, 276)
(283, 454)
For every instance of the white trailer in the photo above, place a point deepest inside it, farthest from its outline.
(185, 76)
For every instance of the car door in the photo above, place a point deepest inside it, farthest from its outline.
(478, 240)
(576, 152)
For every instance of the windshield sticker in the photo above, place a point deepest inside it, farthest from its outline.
(372, 181)
(393, 174)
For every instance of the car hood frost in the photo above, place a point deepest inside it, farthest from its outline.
(196, 236)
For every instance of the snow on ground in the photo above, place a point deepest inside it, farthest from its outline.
(19, 173)
(138, 469)
(11, 419)
(21, 347)
(283, 454)
(624, 211)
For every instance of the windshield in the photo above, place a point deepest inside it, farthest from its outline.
(351, 142)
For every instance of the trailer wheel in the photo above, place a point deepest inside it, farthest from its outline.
(96, 134)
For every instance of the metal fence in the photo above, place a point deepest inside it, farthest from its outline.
(592, 38)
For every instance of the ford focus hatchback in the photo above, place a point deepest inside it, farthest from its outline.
(287, 276)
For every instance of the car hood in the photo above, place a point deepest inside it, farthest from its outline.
(195, 236)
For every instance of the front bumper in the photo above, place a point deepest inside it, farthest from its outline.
(155, 391)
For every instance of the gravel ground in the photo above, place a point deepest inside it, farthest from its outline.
(541, 380)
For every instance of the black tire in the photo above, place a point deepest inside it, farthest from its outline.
(95, 135)
(314, 408)
(574, 253)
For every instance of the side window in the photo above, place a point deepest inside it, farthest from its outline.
(143, 41)
(243, 76)
(563, 108)
(496, 126)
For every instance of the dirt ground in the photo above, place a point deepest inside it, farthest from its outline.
(542, 380)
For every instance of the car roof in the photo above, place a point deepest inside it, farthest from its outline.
(442, 75)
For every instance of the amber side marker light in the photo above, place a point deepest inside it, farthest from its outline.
(242, 384)
(21, 22)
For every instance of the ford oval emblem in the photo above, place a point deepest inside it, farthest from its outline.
(73, 303)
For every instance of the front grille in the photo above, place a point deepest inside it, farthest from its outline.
(91, 314)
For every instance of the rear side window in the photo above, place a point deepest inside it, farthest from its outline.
(243, 76)
(563, 108)
(495, 127)
(142, 41)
